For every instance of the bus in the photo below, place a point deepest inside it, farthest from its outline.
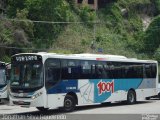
(3, 81)
(51, 81)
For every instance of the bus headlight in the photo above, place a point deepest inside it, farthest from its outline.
(36, 95)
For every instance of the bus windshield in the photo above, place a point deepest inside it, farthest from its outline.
(27, 75)
(2, 77)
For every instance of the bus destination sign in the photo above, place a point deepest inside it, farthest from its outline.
(27, 58)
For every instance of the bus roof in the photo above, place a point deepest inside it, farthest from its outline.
(88, 56)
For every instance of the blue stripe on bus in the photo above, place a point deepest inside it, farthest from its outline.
(64, 86)
(120, 84)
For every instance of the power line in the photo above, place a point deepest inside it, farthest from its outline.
(49, 22)
(65, 22)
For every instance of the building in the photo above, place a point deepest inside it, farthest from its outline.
(94, 4)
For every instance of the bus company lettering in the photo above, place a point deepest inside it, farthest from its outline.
(105, 87)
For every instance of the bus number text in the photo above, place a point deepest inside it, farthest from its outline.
(105, 87)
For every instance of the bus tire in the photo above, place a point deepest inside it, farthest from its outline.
(159, 95)
(106, 103)
(69, 103)
(42, 109)
(131, 97)
(147, 98)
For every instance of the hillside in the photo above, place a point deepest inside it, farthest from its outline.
(123, 27)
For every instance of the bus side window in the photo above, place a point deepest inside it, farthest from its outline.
(73, 69)
(147, 70)
(154, 70)
(70, 69)
(150, 70)
(110, 70)
(85, 70)
(52, 68)
(130, 71)
(88, 69)
(101, 70)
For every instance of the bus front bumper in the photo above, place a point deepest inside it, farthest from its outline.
(27, 102)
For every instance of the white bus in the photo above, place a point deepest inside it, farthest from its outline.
(50, 80)
(3, 81)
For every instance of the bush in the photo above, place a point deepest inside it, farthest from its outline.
(151, 37)
(157, 4)
(6, 59)
(157, 54)
(87, 15)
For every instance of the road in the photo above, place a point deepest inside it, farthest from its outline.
(113, 111)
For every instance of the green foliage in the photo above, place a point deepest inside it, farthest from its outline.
(151, 37)
(13, 6)
(133, 4)
(49, 10)
(157, 4)
(6, 33)
(6, 59)
(41, 10)
(27, 25)
(6, 37)
(118, 31)
(57, 11)
(112, 13)
(157, 54)
(86, 14)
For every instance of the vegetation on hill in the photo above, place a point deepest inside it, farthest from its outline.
(124, 27)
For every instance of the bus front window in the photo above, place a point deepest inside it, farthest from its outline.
(2, 77)
(27, 75)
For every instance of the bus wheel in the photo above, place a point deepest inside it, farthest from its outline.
(106, 103)
(131, 97)
(159, 95)
(147, 98)
(42, 109)
(69, 103)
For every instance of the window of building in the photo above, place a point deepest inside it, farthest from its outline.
(90, 1)
(80, 1)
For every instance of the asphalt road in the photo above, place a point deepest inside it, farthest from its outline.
(143, 110)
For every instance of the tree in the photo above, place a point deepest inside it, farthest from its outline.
(151, 37)
(43, 10)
